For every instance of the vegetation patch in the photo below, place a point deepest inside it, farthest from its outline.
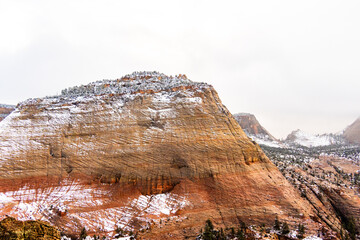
(12, 229)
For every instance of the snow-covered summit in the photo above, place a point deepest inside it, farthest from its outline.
(130, 83)
(135, 82)
(299, 137)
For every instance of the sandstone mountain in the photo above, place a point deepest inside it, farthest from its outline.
(145, 152)
(251, 126)
(5, 110)
(352, 133)
(255, 131)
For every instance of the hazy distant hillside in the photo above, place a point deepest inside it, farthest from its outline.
(255, 131)
(299, 137)
(352, 133)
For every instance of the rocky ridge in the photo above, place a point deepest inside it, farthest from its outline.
(255, 131)
(147, 153)
(260, 135)
(251, 125)
(5, 110)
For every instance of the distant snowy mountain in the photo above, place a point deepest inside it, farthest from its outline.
(255, 131)
(261, 136)
(299, 137)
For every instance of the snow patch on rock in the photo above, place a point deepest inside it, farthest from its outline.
(313, 238)
(265, 140)
(43, 204)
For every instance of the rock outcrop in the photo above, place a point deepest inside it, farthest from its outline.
(147, 152)
(5, 110)
(12, 229)
(352, 133)
(251, 126)
(255, 131)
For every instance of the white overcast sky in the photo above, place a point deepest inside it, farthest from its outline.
(294, 64)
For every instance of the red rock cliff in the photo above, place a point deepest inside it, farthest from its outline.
(131, 152)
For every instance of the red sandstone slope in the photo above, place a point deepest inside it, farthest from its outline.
(135, 153)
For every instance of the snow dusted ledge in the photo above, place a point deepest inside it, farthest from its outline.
(136, 82)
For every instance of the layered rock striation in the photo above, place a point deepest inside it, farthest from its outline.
(134, 151)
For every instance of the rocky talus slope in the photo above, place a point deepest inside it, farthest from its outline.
(145, 152)
(329, 178)
(5, 110)
(352, 133)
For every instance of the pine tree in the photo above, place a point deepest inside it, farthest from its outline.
(301, 231)
(232, 232)
(240, 234)
(242, 225)
(285, 228)
(83, 234)
(208, 233)
(351, 227)
(222, 234)
(277, 224)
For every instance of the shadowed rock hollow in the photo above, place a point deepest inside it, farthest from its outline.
(134, 151)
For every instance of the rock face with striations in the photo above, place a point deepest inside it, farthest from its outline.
(131, 152)
(5, 110)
